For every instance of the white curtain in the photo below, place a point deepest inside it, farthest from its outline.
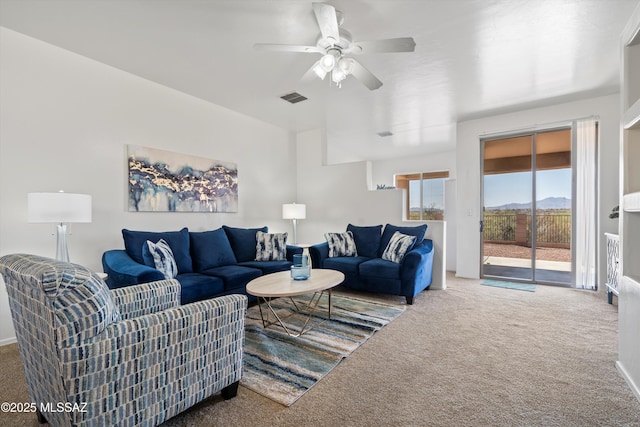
(585, 215)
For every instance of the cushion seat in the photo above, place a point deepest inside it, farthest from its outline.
(267, 266)
(197, 287)
(234, 276)
(379, 267)
(346, 264)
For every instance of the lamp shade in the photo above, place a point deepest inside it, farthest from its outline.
(58, 207)
(294, 211)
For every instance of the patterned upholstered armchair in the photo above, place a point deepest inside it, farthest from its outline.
(131, 356)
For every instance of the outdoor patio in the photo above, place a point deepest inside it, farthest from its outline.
(513, 255)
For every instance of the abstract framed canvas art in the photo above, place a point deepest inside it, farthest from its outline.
(163, 181)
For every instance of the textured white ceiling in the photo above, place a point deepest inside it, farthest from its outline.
(473, 58)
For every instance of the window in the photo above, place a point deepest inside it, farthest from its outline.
(425, 195)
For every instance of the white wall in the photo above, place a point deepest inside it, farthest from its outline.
(65, 122)
(383, 172)
(468, 167)
(451, 206)
(337, 195)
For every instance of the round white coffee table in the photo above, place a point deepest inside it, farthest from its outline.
(280, 284)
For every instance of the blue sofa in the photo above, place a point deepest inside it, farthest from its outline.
(367, 270)
(209, 263)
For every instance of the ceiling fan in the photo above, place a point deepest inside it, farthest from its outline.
(336, 45)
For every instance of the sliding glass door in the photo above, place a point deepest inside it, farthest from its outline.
(507, 207)
(527, 193)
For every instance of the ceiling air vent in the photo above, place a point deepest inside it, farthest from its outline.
(385, 133)
(293, 97)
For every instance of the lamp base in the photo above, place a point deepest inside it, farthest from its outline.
(62, 251)
(295, 229)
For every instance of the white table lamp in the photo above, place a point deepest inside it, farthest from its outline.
(294, 212)
(59, 208)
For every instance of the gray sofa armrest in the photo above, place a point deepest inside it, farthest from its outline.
(147, 298)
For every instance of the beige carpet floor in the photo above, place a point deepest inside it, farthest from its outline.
(470, 355)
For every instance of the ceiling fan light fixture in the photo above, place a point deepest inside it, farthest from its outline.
(319, 70)
(345, 65)
(328, 62)
(337, 75)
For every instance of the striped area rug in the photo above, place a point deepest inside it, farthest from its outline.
(283, 368)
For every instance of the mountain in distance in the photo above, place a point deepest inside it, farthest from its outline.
(548, 203)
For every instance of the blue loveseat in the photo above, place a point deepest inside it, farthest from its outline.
(368, 271)
(209, 263)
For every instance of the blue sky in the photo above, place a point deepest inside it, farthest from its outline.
(433, 193)
(515, 187)
(501, 189)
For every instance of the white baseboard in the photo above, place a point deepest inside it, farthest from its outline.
(627, 378)
(8, 341)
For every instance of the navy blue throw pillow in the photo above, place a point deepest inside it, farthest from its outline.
(418, 231)
(243, 241)
(211, 249)
(178, 241)
(367, 239)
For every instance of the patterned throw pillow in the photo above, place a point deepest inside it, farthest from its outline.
(398, 247)
(163, 258)
(271, 247)
(341, 244)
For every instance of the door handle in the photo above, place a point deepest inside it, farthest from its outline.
(481, 226)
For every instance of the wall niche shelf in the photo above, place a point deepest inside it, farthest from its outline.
(632, 116)
(631, 202)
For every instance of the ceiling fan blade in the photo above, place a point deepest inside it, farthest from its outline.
(402, 44)
(286, 48)
(311, 74)
(365, 76)
(327, 21)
